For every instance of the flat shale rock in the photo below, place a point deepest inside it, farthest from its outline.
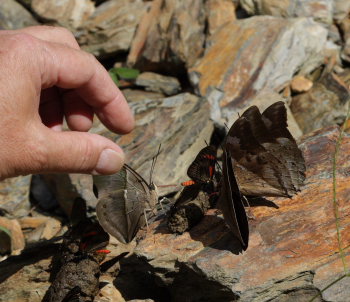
(171, 36)
(14, 16)
(234, 75)
(67, 13)
(28, 282)
(158, 83)
(181, 124)
(292, 252)
(323, 105)
(219, 12)
(111, 28)
(345, 28)
(320, 10)
(14, 196)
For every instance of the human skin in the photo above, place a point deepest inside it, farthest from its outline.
(44, 78)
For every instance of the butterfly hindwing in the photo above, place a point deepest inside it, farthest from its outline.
(202, 168)
(231, 204)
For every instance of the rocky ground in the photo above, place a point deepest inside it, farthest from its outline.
(198, 65)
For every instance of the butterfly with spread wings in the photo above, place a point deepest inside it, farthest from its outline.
(261, 158)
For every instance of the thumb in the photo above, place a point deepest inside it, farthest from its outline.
(81, 152)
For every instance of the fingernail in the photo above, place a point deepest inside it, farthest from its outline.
(109, 162)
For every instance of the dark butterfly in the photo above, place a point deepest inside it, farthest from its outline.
(123, 200)
(262, 154)
(202, 172)
(202, 169)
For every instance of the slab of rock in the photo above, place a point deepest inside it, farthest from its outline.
(345, 28)
(14, 16)
(180, 124)
(234, 75)
(341, 10)
(172, 36)
(67, 13)
(111, 28)
(219, 12)
(11, 236)
(320, 10)
(67, 188)
(292, 251)
(158, 83)
(14, 196)
(323, 105)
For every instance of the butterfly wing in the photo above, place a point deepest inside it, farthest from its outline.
(231, 204)
(122, 200)
(202, 168)
(261, 164)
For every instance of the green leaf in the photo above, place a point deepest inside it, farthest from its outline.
(7, 231)
(126, 73)
(114, 76)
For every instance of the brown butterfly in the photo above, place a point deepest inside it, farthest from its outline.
(123, 200)
(262, 154)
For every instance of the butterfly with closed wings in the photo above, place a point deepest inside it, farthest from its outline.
(260, 158)
(125, 200)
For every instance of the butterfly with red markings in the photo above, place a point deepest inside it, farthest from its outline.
(202, 169)
(261, 158)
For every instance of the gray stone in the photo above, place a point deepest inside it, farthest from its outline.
(320, 10)
(67, 13)
(158, 83)
(112, 26)
(14, 16)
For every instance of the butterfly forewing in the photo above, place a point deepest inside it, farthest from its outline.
(123, 199)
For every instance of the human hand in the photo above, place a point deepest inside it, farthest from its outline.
(45, 77)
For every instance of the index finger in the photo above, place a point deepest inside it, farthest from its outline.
(71, 68)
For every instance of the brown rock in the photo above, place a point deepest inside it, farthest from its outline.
(158, 83)
(108, 293)
(14, 196)
(175, 36)
(112, 26)
(341, 10)
(238, 74)
(44, 227)
(323, 105)
(345, 27)
(292, 252)
(300, 84)
(320, 10)
(68, 13)
(11, 236)
(28, 281)
(14, 16)
(219, 12)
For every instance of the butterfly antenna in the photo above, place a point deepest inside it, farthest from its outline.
(206, 143)
(154, 160)
(226, 126)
